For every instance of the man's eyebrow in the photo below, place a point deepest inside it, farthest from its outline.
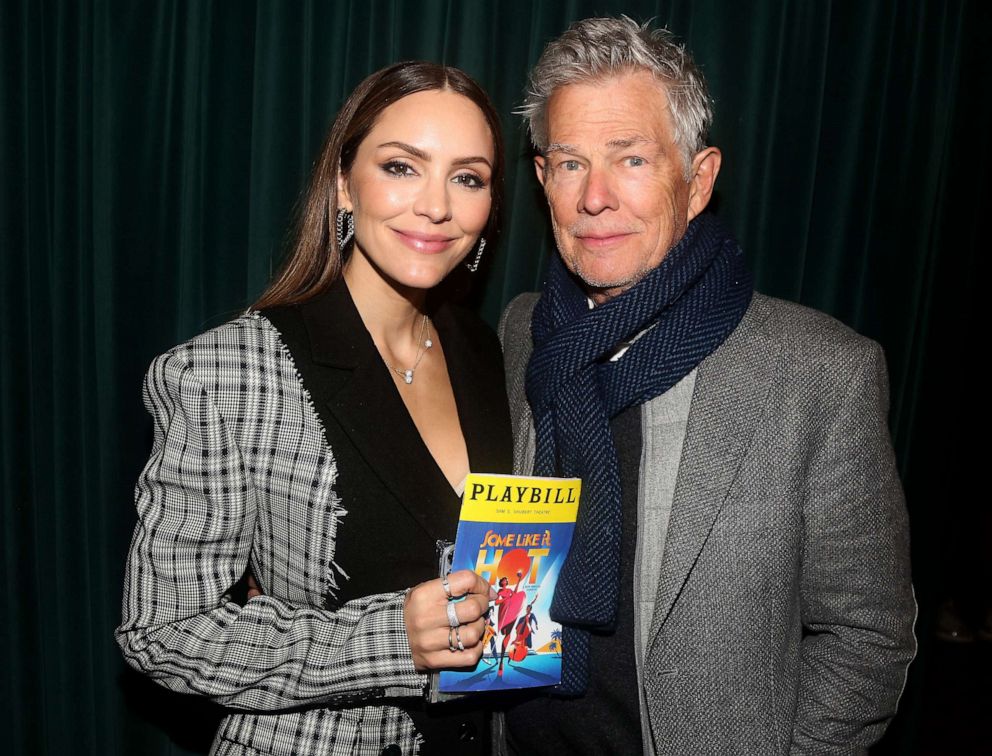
(624, 143)
(614, 144)
(559, 147)
(415, 151)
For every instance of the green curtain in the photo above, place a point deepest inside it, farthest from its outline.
(150, 157)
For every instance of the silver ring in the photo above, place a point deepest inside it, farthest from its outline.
(452, 617)
(451, 642)
(447, 587)
(458, 640)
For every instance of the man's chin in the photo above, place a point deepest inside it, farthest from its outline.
(604, 285)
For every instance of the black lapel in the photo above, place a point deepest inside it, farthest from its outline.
(475, 367)
(351, 389)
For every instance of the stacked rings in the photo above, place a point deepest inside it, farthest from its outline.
(454, 636)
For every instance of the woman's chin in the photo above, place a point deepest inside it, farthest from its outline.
(423, 277)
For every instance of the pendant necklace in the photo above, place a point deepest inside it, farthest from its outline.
(425, 344)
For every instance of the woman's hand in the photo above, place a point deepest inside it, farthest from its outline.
(253, 587)
(427, 628)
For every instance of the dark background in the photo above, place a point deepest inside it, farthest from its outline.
(150, 157)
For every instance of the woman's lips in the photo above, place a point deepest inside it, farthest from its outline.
(427, 243)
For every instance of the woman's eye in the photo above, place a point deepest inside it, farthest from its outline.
(398, 168)
(635, 162)
(470, 180)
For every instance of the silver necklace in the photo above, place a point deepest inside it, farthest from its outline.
(425, 344)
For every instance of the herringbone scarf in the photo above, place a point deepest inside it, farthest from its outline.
(690, 304)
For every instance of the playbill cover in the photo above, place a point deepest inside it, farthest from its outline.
(515, 531)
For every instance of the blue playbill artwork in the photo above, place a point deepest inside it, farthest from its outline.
(515, 532)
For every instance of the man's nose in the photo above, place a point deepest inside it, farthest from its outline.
(433, 201)
(598, 192)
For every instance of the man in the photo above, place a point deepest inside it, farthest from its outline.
(739, 579)
(526, 627)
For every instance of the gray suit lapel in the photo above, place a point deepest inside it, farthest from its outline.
(515, 335)
(727, 404)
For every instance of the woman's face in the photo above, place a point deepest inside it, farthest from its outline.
(419, 188)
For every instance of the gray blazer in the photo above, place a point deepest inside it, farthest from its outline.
(784, 613)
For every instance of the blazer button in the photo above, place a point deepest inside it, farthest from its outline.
(467, 732)
(392, 750)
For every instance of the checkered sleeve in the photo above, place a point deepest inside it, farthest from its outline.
(196, 515)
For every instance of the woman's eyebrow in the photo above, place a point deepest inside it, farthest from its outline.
(426, 156)
(415, 151)
(471, 160)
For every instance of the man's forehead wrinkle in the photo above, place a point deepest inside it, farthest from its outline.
(611, 116)
(607, 128)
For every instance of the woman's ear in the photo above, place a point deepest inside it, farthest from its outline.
(344, 196)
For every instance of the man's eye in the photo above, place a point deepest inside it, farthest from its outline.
(635, 161)
(570, 165)
(398, 168)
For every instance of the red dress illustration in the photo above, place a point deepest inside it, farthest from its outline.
(509, 603)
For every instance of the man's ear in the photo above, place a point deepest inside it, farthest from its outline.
(344, 196)
(705, 167)
(539, 164)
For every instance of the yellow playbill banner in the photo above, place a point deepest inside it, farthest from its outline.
(515, 498)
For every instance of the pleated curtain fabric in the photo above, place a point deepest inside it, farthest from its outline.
(150, 157)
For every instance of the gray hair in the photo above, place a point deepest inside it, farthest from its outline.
(598, 48)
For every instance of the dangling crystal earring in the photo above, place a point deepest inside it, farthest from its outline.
(344, 235)
(474, 265)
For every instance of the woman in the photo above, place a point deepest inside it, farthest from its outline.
(319, 442)
(509, 601)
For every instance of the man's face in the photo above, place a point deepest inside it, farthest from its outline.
(615, 180)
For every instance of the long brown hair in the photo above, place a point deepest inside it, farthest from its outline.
(314, 260)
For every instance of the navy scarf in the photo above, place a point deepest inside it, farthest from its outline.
(690, 304)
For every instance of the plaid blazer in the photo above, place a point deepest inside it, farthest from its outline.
(241, 473)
